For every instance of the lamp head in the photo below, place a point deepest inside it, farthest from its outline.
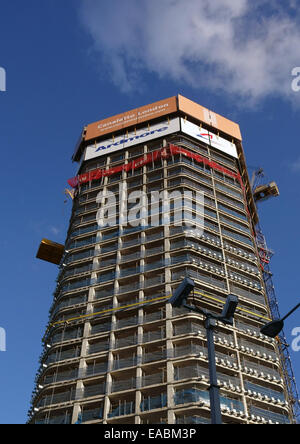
(181, 293)
(272, 329)
(229, 309)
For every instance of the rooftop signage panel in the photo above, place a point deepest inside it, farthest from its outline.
(204, 115)
(130, 118)
(133, 138)
(208, 137)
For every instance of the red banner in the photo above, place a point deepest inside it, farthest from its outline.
(162, 153)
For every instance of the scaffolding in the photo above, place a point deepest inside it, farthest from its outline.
(265, 255)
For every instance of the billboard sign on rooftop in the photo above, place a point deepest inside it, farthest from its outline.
(131, 118)
(142, 135)
(193, 109)
(209, 138)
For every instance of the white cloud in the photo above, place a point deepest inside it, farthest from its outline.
(243, 48)
(295, 166)
(54, 230)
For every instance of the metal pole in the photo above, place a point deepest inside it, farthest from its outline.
(214, 389)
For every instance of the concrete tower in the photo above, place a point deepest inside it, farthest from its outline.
(116, 352)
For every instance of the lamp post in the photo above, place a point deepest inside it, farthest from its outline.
(273, 328)
(179, 299)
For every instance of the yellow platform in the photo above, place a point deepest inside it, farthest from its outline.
(50, 251)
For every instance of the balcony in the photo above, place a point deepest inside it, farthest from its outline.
(69, 302)
(149, 282)
(107, 235)
(258, 350)
(234, 224)
(91, 414)
(248, 294)
(232, 212)
(268, 415)
(130, 271)
(153, 402)
(105, 262)
(67, 335)
(123, 384)
(125, 322)
(121, 409)
(57, 398)
(153, 335)
(154, 356)
(61, 376)
(119, 363)
(154, 250)
(190, 349)
(191, 395)
(153, 316)
(257, 369)
(129, 287)
(157, 264)
(152, 379)
(190, 371)
(78, 243)
(131, 256)
(84, 230)
(200, 276)
(192, 420)
(188, 328)
(228, 190)
(100, 328)
(75, 284)
(131, 242)
(77, 270)
(125, 341)
(63, 355)
(94, 369)
(54, 419)
(195, 395)
(91, 390)
(237, 236)
(98, 347)
(151, 236)
(85, 208)
(109, 248)
(104, 293)
(79, 256)
(104, 277)
(265, 391)
(232, 202)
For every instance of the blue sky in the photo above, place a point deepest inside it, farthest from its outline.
(73, 62)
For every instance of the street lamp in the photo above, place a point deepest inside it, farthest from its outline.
(273, 328)
(179, 299)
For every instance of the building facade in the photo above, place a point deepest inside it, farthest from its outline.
(115, 351)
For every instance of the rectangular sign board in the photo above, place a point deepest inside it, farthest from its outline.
(208, 137)
(193, 109)
(142, 135)
(131, 118)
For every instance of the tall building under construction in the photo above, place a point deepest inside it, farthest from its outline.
(115, 350)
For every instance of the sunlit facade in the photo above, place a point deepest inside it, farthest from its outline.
(115, 351)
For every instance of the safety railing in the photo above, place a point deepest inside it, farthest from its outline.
(122, 408)
(269, 415)
(153, 402)
(123, 384)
